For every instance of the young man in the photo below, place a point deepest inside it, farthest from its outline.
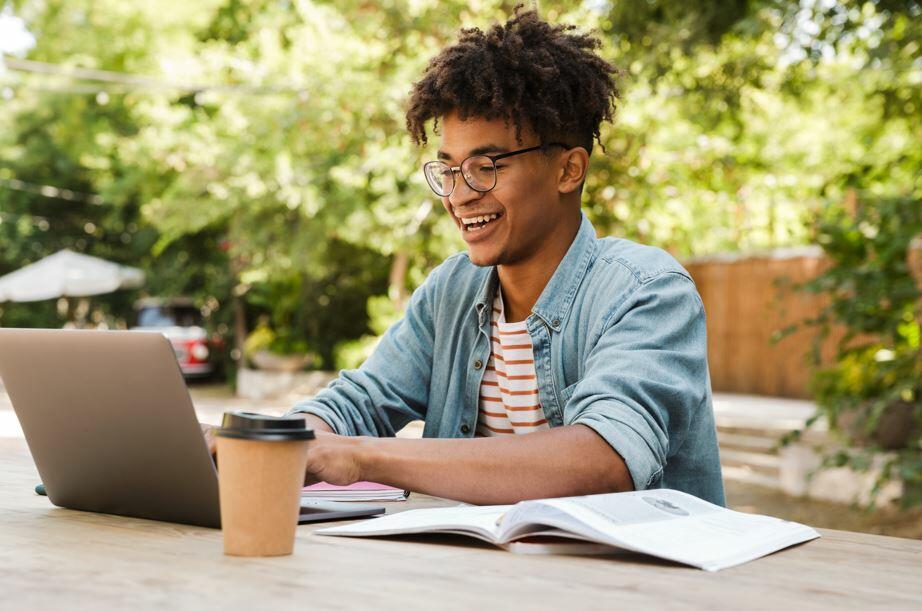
(544, 361)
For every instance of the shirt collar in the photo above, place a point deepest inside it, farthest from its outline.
(485, 295)
(554, 303)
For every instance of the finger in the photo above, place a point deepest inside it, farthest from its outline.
(311, 474)
(208, 433)
(310, 478)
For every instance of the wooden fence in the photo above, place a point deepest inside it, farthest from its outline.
(747, 303)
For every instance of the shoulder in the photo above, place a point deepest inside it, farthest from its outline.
(641, 263)
(627, 276)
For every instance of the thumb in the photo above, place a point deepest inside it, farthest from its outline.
(208, 433)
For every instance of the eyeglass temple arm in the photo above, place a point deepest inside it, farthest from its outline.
(496, 158)
(527, 150)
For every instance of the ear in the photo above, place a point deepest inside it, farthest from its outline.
(574, 163)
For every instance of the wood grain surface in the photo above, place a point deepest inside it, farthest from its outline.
(52, 558)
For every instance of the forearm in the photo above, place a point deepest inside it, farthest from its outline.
(565, 461)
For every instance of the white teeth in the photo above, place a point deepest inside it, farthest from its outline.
(478, 219)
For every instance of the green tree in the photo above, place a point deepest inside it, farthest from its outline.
(265, 139)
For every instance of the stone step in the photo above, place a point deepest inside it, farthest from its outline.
(749, 432)
(757, 462)
(746, 475)
(752, 442)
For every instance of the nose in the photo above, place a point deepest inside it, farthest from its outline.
(462, 193)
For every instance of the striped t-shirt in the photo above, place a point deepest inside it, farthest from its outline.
(509, 390)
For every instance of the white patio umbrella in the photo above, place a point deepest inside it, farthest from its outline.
(67, 274)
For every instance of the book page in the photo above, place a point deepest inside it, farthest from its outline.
(596, 513)
(553, 543)
(664, 523)
(481, 522)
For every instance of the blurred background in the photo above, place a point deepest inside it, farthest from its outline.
(240, 171)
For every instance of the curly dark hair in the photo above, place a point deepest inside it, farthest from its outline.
(526, 71)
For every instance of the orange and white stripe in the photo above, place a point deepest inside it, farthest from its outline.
(508, 403)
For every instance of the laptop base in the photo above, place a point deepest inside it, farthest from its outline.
(322, 511)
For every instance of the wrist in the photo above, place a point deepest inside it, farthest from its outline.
(370, 458)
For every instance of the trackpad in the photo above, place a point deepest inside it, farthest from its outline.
(321, 511)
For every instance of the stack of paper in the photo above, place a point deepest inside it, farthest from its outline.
(359, 491)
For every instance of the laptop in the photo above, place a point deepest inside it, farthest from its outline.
(111, 426)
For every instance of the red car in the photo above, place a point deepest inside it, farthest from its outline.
(182, 323)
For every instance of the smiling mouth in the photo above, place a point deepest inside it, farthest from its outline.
(476, 223)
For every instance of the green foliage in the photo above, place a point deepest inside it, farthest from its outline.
(872, 394)
(263, 157)
(55, 132)
(382, 313)
(322, 307)
(740, 119)
(263, 337)
(260, 338)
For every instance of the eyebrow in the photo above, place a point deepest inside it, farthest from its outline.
(480, 150)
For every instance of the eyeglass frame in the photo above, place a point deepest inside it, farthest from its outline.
(493, 159)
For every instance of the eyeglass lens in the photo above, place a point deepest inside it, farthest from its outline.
(479, 173)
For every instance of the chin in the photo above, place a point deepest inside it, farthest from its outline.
(483, 257)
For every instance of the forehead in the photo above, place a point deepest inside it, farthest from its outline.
(476, 135)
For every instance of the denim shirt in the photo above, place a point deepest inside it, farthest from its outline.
(619, 343)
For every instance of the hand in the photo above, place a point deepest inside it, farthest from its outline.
(208, 433)
(335, 459)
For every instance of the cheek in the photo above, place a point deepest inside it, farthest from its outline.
(522, 195)
(537, 179)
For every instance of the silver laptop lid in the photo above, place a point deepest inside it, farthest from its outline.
(110, 424)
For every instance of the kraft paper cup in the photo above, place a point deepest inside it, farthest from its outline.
(261, 463)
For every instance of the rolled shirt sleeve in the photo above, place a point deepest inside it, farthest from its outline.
(645, 375)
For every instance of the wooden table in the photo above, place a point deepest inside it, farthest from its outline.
(58, 558)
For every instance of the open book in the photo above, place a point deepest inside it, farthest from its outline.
(664, 523)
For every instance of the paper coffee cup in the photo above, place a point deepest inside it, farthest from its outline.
(261, 463)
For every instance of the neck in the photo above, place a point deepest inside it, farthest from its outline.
(522, 282)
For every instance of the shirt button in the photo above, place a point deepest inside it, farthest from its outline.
(478, 364)
(465, 429)
(555, 323)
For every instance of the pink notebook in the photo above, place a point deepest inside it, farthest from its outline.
(359, 491)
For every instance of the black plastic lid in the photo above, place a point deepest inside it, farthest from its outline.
(249, 425)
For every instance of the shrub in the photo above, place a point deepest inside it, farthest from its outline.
(872, 394)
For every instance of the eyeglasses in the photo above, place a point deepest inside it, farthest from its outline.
(478, 171)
